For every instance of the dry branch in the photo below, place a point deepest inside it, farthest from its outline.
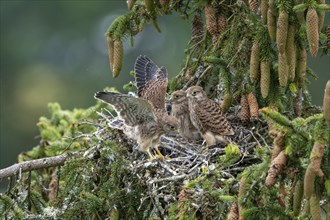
(36, 164)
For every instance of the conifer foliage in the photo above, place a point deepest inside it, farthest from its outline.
(251, 57)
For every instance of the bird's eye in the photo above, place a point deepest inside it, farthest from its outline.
(172, 128)
(194, 93)
(176, 96)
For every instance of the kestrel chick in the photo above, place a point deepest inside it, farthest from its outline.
(151, 82)
(206, 116)
(140, 118)
(180, 110)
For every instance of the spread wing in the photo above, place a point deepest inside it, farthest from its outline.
(212, 119)
(134, 111)
(151, 81)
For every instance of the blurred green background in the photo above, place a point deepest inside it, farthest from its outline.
(55, 51)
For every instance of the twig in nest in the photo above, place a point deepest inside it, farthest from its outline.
(172, 178)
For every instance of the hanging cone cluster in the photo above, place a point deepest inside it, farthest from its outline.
(291, 52)
(283, 72)
(253, 105)
(118, 56)
(245, 111)
(264, 77)
(282, 31)
(254, 62)
(211, 19)
(253, 5)
(326, 102)
(328, 37)
(301, 66)
(197, 29)
(312, 31)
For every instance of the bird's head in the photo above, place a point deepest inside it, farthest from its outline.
(196, 92)
(178, 97)
(170, 124)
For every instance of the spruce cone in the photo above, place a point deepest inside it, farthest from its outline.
(117, 58)
(283, 70)
(197, 29)
(264, 77)
(309, 180)
(291, 52)
(254, 62)
(130, 4)
(233, 213)
(326, 102)
(222, 24)
(300, 14)
(271, 24)
(312, 31)
(263, 11)
(301, 66)
(253, 5)
(226, 103)
(253, 105)
(328, 37)
(215, 39)
(316, 158)
(322, 16)
(282, 31)
(297, 198)
(314, 202)
(110, 45)
(276, 167)
(245, 111)
(211, 19)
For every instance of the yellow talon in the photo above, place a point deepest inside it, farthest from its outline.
(150, 155)
(160, 155)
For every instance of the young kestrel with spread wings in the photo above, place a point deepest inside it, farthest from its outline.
(139, 116)
(206, 116)
(151, 83)
(180, 110)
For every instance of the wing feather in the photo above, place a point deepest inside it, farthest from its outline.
(151, 81)
(134, 111)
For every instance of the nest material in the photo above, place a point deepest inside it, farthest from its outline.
(184, 161)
